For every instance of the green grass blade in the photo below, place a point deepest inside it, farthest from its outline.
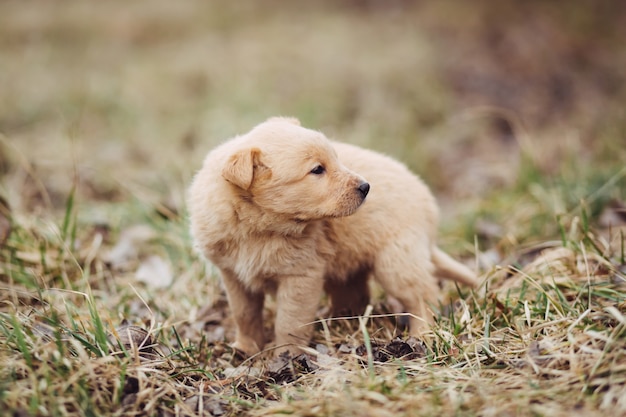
(69, 214)
(20, 341)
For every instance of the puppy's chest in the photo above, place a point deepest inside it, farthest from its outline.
(257, 262)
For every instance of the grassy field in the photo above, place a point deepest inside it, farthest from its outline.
(513, 112)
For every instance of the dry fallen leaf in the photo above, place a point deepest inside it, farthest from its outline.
(130, 336)
(128, 245)
(155, 272)
(136, 339)
(212, 405)
(613, 215)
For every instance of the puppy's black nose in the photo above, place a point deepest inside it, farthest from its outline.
(364, 188)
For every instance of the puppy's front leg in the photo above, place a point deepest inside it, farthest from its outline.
(247, 310)
(297, 301)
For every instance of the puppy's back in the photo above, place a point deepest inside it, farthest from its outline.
(398, 200)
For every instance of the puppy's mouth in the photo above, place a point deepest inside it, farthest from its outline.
(348, 205)
(339, 205)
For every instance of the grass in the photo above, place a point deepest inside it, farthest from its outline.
(106, 110)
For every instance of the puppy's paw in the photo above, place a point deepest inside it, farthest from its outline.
(248, 348)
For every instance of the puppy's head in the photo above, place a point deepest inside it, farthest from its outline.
(284, 168)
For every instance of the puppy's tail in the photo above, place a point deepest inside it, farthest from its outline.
(446, 267)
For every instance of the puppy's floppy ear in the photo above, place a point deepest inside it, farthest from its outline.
(291, 120)
(239, 169)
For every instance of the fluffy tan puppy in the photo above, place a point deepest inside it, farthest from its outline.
(283, 210)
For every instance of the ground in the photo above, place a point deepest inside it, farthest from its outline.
(512, 112)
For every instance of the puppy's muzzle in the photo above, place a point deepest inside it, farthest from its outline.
(363, 188)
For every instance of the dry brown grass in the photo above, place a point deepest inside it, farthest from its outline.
(545, 337)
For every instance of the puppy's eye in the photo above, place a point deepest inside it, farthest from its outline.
(318, 170)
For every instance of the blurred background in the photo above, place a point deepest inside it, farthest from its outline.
(122, 100)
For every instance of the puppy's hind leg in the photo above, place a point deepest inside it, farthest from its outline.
(348, 297)
(405, 271)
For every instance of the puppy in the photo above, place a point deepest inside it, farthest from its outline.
(284, 210)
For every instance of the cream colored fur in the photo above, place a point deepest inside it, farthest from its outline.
(264, 212)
